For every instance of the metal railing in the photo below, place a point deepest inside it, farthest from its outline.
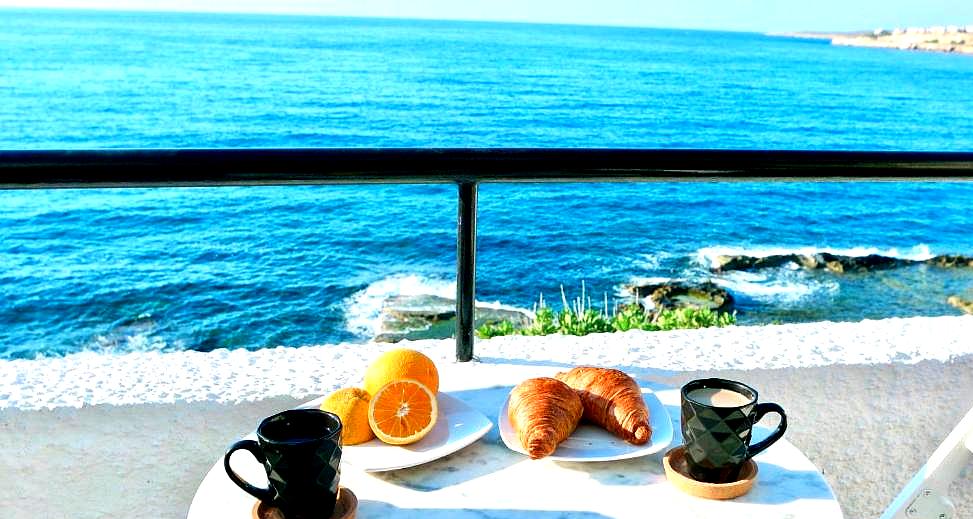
(464, 167)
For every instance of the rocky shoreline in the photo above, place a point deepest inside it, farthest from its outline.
(961, 43)
(707, 294)
(953, 39)
(835, 262)
(434, 317)
(419, 317)
(841, 264)
(674, 294)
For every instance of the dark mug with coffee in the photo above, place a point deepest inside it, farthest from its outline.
(718, 416)
(300, 450)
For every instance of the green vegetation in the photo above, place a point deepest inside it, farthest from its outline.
(488, 330)
(580, 318)
(685, 318)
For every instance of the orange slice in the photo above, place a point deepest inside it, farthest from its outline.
(402, 412)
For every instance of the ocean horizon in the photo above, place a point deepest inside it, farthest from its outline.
(174, 269)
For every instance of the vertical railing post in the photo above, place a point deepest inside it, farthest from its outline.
(465, 270)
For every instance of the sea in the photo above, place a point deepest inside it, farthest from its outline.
(121, 270)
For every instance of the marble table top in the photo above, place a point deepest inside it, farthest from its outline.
(488, 480)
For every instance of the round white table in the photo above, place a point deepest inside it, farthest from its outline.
(488, 480)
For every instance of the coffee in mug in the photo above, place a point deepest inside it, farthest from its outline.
(716, 397)
(718, 416)
(300, 450)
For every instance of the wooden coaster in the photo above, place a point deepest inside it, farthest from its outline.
(344, 508)
(677, 471)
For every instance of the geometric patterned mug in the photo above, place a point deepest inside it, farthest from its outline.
(300, 450)
(718, 416)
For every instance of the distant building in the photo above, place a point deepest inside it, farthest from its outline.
(937, 29)
(898, 31)
(952, 28)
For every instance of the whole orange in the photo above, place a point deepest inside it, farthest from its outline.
(351, 406)
(399, 364)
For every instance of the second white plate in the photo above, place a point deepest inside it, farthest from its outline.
(458, 425)
(592, 443)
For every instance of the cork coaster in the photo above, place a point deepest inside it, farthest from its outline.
(344, 508)
(677, 472)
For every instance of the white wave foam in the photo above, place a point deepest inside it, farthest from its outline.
(650, 280)
(786, 288)
(364, 308)
(651, 260)
(139, 334)
(497, 305)
(708, 255)
(126, 343)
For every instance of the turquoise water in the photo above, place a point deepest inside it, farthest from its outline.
(259, 267)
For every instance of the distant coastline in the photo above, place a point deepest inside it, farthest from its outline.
(943, 38)
(807, 35)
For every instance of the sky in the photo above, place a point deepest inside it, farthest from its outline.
(731, 15)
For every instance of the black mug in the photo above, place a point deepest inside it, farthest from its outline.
(300, 450)
(718, 416)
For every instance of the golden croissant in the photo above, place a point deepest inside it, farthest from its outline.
(612, 400)
(544, 412)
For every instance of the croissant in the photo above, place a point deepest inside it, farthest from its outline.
(544, 412)
(612, 400)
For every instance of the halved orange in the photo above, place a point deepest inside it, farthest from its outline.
(402, 412)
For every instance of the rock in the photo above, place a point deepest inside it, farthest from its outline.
(834, 262)
(742, 262)
(812, 261)
(951, 261)
(834, 266)
(962, 304)
(434, 317)
(681, 294)
(421, 308)
(871, 262)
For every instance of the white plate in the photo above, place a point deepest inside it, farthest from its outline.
(458, 425)
(592, 443)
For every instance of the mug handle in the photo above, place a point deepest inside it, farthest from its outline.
(264, 494)
(761, 410)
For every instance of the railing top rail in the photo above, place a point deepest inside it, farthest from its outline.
(274, 166)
